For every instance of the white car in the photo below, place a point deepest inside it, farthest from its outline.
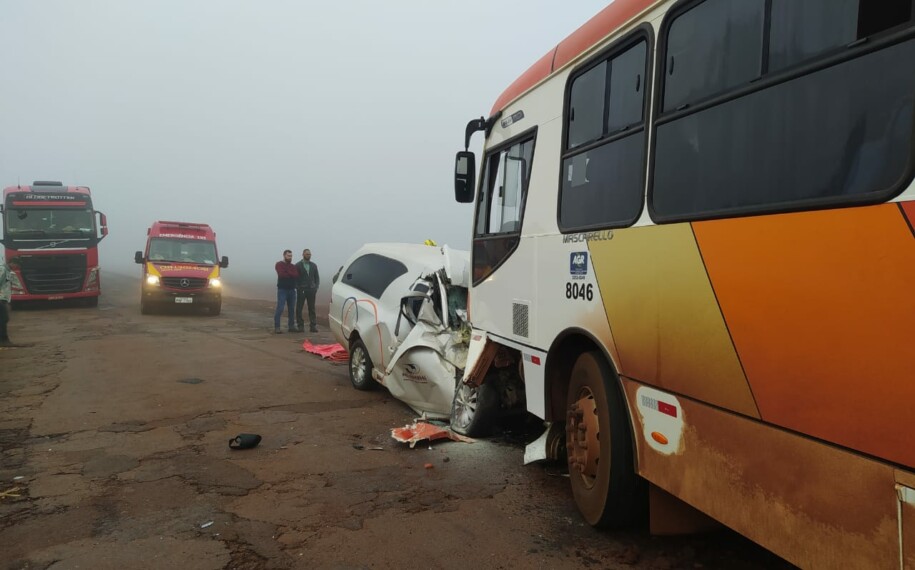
(401, 312)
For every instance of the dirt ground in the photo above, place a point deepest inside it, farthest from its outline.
(114, 430)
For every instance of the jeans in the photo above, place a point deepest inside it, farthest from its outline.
(301, 296)
(284, 297)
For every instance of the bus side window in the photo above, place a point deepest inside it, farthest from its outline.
(603, 167)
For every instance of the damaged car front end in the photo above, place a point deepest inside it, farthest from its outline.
(412, 334)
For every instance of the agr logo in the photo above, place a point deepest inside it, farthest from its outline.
(578, 263)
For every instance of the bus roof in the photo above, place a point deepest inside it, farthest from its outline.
(581, 40)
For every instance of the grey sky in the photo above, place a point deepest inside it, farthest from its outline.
(283, 124)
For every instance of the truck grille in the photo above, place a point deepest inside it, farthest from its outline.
(184, 282)
(53, 274)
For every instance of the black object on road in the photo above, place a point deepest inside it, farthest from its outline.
(244, 441)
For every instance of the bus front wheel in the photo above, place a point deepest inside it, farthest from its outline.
(607, 491)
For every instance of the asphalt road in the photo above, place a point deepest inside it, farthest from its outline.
(114, 430)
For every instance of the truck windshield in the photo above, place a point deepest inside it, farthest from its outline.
(45, 222)
(183, 250)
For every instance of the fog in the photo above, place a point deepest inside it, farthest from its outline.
(282, 124)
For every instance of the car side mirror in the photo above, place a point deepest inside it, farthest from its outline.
(224, 262)
(464, 176)
(138, 257)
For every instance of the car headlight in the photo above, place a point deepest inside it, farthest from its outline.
(215, 283)
(152, 280)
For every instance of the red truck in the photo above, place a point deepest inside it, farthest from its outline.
(54, 232)
(180, 267)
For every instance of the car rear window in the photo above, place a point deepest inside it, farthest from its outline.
(372, 273)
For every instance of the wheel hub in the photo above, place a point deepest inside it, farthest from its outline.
(583, 437)
(358, 365)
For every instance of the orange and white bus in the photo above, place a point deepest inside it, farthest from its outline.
(693, 237)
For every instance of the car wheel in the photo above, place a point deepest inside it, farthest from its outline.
(606, 489)
(360, 366)
(474, 409)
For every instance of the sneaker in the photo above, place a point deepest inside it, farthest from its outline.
(300, 328)
(313, 328)
(277, 331)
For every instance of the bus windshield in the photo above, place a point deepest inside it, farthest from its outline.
(182, 250)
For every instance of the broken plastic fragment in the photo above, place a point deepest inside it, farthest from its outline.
(206, 524)
(420, 431)
(332, 352)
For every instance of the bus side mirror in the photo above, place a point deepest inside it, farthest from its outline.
(225, 262)
(138, 257)
(103, 223)
(464, 176)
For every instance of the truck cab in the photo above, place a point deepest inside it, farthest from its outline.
(180, 267)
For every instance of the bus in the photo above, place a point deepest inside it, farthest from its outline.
(693, 240)
(54, 232)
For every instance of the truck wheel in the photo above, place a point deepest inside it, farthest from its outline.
(92, 301)
(607, 491)
(145, 307)
(474, 409)
(360, 366)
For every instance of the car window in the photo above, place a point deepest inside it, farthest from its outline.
(372, 273)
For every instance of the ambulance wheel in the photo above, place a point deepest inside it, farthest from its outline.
(606, 489)
(360, 366)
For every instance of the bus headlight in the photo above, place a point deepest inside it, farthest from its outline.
(152, 280)
(215, 283)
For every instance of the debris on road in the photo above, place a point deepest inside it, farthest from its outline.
(549, 446)
(244, 441)
(331, 352)
(420, 430)
(10, 493)
(429, 466)
(206, 524)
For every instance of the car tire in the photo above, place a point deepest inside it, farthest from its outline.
(605, 487)
(474, 409)
(360, 366)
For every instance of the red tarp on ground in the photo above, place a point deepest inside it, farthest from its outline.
(332, 352)
(421, 430)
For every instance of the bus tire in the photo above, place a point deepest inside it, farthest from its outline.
(605, 487)
(360, 366)
(474, 409)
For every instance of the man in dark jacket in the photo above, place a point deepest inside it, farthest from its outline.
(286, 276)
(306, 288)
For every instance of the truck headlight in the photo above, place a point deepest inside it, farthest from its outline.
(92, 279)
(152, 280)
(215, 283)
(15, 283)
